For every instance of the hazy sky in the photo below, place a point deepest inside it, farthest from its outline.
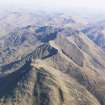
(55, 4)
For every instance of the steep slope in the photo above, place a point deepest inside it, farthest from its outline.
(33, 77)
(44, 85)
(96, 33)
(83, 60)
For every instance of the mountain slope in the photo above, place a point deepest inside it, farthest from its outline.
(60, 66)
(96, 33)
(44, 85)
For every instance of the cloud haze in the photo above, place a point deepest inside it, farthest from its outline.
(55, 4)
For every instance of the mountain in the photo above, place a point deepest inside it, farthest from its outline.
(44, 84)
(51, 65)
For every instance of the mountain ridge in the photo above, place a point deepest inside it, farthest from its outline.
(53, 65)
